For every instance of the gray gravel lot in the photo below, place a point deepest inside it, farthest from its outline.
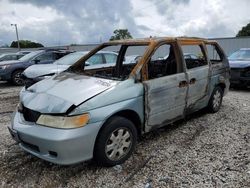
(206, 150)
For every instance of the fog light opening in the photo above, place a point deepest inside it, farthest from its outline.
(53, 153)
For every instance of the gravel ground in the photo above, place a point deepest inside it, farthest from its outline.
(206, 150)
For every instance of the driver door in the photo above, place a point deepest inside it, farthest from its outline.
(165, 89)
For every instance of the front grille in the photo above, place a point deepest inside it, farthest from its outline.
(30, 115)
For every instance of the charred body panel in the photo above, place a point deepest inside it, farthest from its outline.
(165, 100)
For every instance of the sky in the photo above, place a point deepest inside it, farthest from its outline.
(65, 22)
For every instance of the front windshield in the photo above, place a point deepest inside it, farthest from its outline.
(240, 54)
(128, 56)
(30, 55)
(70, 58)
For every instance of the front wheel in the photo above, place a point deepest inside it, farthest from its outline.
(215, 100)
(115, 142)
(16, 78)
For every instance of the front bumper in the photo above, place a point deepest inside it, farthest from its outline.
(60, 146)
(5, 74)
(240, 76)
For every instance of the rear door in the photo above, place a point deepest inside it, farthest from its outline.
(165, 88)
(198, 73)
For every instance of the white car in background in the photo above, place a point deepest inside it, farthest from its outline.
(37, 73)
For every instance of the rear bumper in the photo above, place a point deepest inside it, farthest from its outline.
(60, 146)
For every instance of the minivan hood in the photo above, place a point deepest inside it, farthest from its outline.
(41, 70)
(239, 63)
(58, 93)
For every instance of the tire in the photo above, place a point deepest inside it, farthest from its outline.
(215, 100)
(115, 142)
(16, 78)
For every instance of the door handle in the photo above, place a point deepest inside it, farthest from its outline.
(183, 83)
(192, 81)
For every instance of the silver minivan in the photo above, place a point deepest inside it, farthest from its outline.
(99, 113)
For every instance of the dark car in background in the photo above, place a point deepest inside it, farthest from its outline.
(239, 62)
(10, 56)
(11, 70)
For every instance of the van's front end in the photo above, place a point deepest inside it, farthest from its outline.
(59, 119)
(45, 124)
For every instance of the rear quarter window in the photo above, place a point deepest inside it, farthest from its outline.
(214, 54)
(194, 56)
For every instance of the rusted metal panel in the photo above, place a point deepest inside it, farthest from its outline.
(164, 100)
(198, 86)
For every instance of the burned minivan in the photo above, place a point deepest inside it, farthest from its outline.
(99, 113)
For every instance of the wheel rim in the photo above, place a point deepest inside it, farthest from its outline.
(118, 144)
(217, 99)
(17, 78)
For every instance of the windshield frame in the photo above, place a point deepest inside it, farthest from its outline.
(77, 67)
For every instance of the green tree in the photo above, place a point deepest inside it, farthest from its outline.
(26, 44)
(245, 31)
(121, 34)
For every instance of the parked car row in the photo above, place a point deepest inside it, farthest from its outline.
(11, 70)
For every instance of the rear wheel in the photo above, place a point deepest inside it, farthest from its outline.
(16, 78)
(215, 99)
(115, 142)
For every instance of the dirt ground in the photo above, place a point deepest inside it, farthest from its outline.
(206, 150)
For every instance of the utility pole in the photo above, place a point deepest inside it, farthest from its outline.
(16, 36)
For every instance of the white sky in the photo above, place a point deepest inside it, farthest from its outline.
(62, 22)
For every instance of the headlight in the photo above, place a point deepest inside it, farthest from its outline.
(62, 122)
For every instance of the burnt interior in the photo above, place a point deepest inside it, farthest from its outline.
(165, 66)
(112, 72)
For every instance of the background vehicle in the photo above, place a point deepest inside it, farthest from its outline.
(36, 73)
(10, 56)
(99, 112)
(11, 70)
(239, 62)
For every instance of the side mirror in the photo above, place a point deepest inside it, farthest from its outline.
(84, 65)
(87, 63)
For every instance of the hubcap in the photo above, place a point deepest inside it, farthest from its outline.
(217, 99)
(18, 78)
(118, 144)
